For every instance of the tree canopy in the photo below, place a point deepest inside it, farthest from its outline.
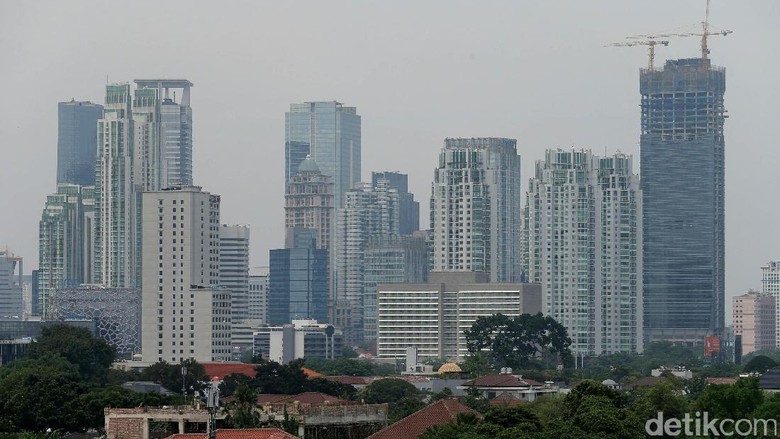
(92, 355)
(516, 342)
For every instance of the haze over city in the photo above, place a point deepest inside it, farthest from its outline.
(417, 73)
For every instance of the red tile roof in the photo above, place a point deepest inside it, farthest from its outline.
(438, 413)
(221, 370)
(312, 398)
(505, 398)
(501, 381)
(249, 433)
(311, 374)
(721, 380)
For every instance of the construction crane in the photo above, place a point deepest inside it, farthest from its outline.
(650, 43)
(705, 32)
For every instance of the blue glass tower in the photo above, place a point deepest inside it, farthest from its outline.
(298, 280)
(330, 133)
(682, 181)
(77, 142)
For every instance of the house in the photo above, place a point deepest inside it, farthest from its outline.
(770, 380)
(439, 413)
(509, 387)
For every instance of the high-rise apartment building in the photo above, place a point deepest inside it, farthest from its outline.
(408, 209)
(755, 320)
(258, 294)
(368, 211)
(475, 208)
(173, 125)
(65, 243)
(116, 205)
(141, 147)
(234, 268)
(298, 280)
(11, 271)
(185, 314)
(329, 132)
(308, 202)
(584, 230)
(770, 286)
(682, 149)
(76, 142)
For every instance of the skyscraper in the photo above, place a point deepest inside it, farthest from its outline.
(368, 211)
(408, 209)
(308, 202)
(328, 132)
(185, 314)
(583, 226)
(298, 280)
(755, 321)
(65, 242)
(770, 286)
(682, 149)
(174, 130)
(116, 223)
(76, 140)
(475, 208)
(141, 147)
(234, 268)
(11, 271)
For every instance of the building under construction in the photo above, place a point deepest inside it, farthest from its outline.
(682, 161)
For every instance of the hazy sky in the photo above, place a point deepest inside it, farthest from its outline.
(417, 71)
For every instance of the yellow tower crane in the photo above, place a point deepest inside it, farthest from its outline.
(650, 42)
(705, 32)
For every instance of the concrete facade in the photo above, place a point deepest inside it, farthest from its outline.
(770, 286)
(184, 312)
(754, 317)
(433, 316)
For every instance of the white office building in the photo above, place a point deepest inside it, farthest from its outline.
(185, 314)
(433, 316)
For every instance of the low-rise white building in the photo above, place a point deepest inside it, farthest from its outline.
(432, 317)
(301, 339)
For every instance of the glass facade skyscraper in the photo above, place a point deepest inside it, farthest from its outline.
(682, 156)
(298, 280)
(330, 133)
(76, 142)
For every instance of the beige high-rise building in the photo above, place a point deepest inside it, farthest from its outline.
(755, 321)
(184, 312)
(308, 202)
(770, 286)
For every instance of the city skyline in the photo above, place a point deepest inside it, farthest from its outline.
(387, 130)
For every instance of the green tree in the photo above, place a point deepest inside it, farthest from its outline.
(733, 401)
(513, 416)
(599, 416)
(388, 390)
(96, 400)
(515, 342)
(475, 400)
(348, 352)
(404, 407)
(759, 364)
(476, 365)
(287, 379)
(444, 393)
(667, 397)
(170, 377)
(241, 411)
(573, 400)
(769, 408)
(41, 393)
(92, 355)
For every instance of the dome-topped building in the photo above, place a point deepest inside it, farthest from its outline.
(449, 368)
(309, 165)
